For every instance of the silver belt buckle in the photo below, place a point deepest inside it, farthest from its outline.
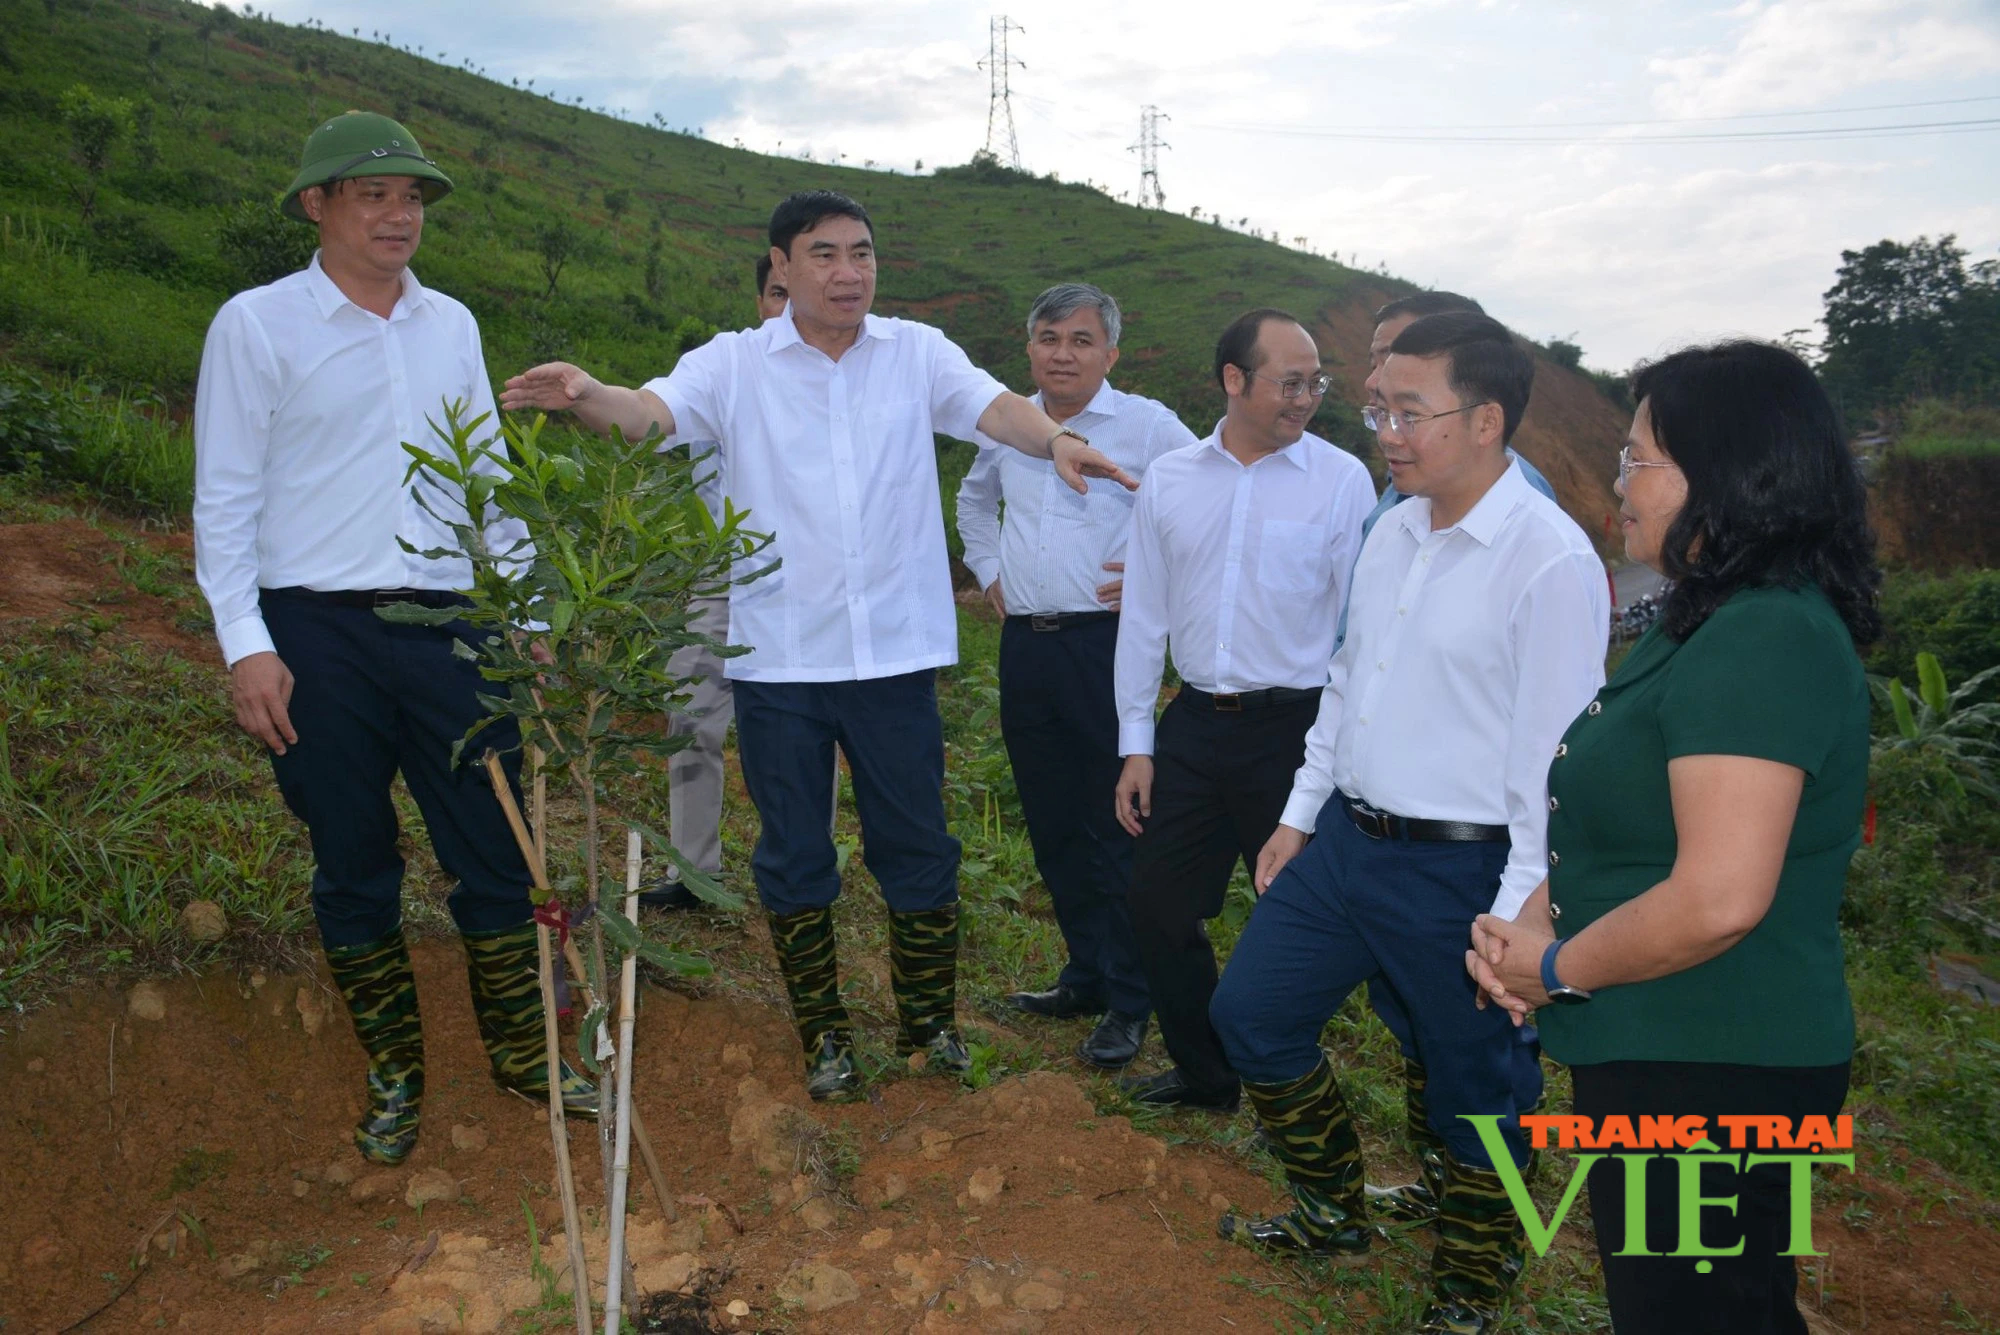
(1045, 621)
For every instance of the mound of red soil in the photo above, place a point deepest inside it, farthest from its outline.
(60, 571)
(206, 1122)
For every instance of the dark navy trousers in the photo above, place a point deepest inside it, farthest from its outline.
(371, 700)
(889, 730)
(1347, 909)
(1059, 718)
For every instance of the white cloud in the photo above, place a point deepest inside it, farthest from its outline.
(1792, 55)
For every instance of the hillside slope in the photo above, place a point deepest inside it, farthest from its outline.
(662, 228)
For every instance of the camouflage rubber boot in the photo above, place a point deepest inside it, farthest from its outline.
(505, 970)
(1479, 1250)
(381, 994)
(1416, 1200)
(811, 966)
(923, 967)
(1309, 1133)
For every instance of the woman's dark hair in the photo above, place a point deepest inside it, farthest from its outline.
(1773, 494)
(1486, 364)
(808, 209)
(1238, 345)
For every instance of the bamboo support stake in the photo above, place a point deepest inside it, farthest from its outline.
(621, 1164)
(579, 1272)
(668, 1210)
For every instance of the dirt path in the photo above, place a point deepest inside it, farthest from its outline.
(69, 570)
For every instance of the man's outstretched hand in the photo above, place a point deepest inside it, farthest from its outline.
(1077, 462)
(551, 387)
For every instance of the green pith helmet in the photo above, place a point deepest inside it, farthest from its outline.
(361, 143)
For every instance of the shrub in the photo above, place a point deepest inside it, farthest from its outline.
(1956, 617)
(39, 427)
(262, 244)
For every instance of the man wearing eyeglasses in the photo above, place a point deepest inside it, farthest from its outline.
(1239, 556)
(1477, 634)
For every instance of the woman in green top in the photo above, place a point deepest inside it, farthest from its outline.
(1702, 811)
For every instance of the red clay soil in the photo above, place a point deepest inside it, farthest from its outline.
(60, 571)
(212, 1116)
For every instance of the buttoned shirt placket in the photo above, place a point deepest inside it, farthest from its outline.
(1375, 676)
(847, 493)
(389, 337)
(1232, 564)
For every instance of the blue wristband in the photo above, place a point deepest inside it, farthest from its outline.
(1550, 983)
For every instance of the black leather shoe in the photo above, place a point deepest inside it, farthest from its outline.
(1058, 1003)
(1170, 1089)
(667, 894)
(1114, 1043)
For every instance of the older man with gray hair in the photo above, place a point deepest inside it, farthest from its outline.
(1052, 567)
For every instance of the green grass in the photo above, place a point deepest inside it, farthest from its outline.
(1933, 428)
(124, 297)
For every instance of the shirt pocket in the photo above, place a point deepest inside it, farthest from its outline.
(1292, 557)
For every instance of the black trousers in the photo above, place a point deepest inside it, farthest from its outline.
(1751, 1294)
(1220, 781)
(889, 730)
(1059, 718)
(369, 700)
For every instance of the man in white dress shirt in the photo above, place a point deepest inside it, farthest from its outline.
(308, 388)
(1476, 633)
(824, 420)
(695, 774)
(1239, 555)
(1051, 567)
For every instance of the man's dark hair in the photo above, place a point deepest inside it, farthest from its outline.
(763, 273)
(1421, 304)
(808, 209)
(1238, 345)
(1486, 363)
(1773, 493)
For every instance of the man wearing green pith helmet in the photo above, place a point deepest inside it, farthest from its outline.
(304, 526)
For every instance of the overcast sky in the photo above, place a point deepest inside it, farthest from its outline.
(1277, 114)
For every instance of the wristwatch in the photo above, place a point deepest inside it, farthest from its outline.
(1065, 431)
(1568, 996)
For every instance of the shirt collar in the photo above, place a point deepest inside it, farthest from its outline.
(1482, 522)
(1293, 453)
(329, 298)
(1104, 403)
(784, 331)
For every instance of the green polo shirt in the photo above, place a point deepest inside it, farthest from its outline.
(1772, 674)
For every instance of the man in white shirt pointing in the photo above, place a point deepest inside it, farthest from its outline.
(824, 419)
(1052, 568)
(308, 388)
(1475, 634)
(1239, 555)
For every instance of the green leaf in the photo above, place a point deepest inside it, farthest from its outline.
(620, 931)
(416, 614)
(1899, 703)
(586, 1034)
(1930, 685)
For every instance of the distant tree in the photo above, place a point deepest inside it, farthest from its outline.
(656, 283)
(261, 243)
(616, 201)
(96, 124)
(555, 244)
(1906, 320)
(1564, 352)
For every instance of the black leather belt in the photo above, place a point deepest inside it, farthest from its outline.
(1048, 621)
(374, 597)
(1235, 702)
(1384, 825)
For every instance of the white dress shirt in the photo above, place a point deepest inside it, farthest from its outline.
(1469, 652)
(1049, 552)
(1244, 569)
(836, 458)
(300, 415)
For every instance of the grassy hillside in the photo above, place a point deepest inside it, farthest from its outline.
(664, 227)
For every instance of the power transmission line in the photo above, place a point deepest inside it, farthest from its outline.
(1148, 148)
(1428, 135)
(999, 100)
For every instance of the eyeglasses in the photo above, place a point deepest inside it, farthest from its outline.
(1400, 424)
(1297, 385)
(1626, 463)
